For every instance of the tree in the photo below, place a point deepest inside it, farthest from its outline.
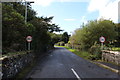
(15, 30)
(13, 27)
(65, 37)
(92, 31)
(55, 38)
(43, 37)
(116, 42)
(20, 8)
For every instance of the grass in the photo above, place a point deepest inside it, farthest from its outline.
(15, 53)
(86, 55)
(10, 54)
(116, 48)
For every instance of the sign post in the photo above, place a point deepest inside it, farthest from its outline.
(29, 39)
(102, 40)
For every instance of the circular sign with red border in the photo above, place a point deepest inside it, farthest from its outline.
(29, 38)
(102, 39)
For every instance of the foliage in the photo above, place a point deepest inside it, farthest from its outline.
(60, 43)
(96, 51)
(65, 37)
(39, 35)
(20, 8)
(116, 42)
(59, 39)
(13, 27)
(15, 30)
(68, 44)
(15, 53)
(116, 48)
(55, 38)
(83, 54)
(92, 31)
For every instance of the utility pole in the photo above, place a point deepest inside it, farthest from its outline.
(25, 11)
(26, 2)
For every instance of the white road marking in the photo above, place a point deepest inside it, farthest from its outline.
(75, 74)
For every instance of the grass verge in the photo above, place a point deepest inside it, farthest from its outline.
(116, 48)
(14, 53)
(83, 54)
(87, 55)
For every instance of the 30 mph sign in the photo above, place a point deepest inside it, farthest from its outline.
(102, 39)
(29, 38)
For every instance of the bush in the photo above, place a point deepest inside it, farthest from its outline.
(92, 57)
(68, 45)
(95, 51)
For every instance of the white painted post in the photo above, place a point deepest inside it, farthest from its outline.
(29, 46)
(101, 45)
(29, 39)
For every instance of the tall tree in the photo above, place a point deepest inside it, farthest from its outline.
(92, 31)
(55, 38)
(13, 26)
(15, 30)
(65, 37)
(21, 8)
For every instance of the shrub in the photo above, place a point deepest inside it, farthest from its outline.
(68, 45)
(95, 51)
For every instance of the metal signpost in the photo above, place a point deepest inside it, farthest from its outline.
(29, 39)
(102, 40)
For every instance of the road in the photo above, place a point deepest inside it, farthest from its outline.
(61, 63)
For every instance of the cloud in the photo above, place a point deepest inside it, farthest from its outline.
(69, 19)
(97, 5)
(83, 20)
(108, 9)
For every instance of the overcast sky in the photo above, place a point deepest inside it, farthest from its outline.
(70, 14)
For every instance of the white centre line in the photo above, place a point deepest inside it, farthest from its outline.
(75, 74)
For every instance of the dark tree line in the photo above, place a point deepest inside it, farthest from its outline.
(15, 30)
(60, 38)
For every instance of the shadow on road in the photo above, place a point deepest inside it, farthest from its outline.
(59, 48)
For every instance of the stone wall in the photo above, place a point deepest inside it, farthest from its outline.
(12, 65)
(111, 56)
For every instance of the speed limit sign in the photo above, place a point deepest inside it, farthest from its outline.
(29, 38)
(102, 39)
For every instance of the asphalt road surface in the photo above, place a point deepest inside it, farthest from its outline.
(63, 64)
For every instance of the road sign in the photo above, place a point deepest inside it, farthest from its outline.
(29, 38)
(102, 39)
